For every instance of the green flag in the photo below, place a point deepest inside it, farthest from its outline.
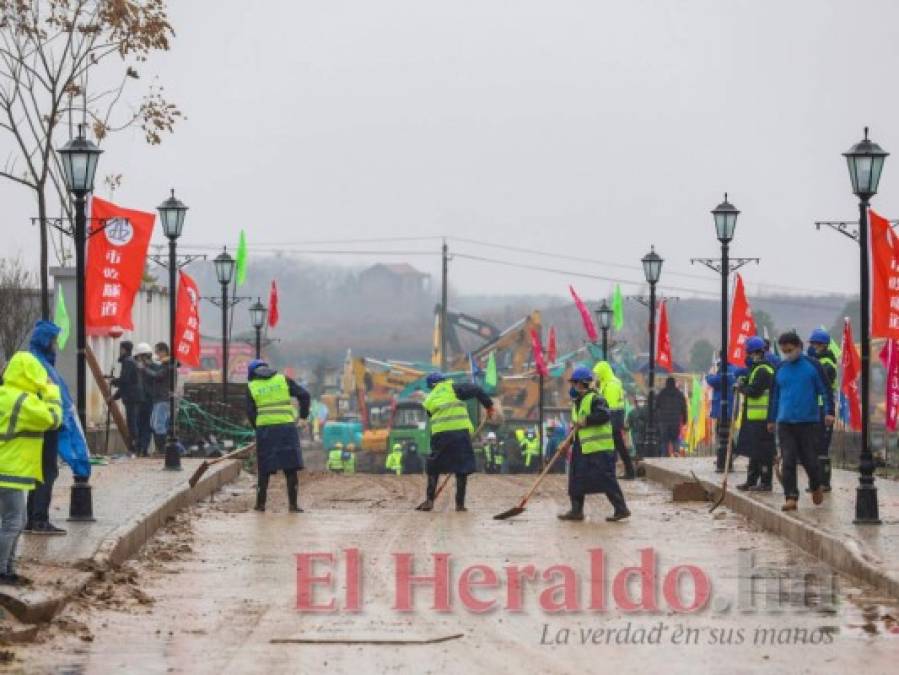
(242, 259)
(490, 377)
(618, 308)
(696, 399)
(61, 319)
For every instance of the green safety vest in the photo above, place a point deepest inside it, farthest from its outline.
(272, 399)
(827, 361)
(757, 408)
(349, 465)
(597, 438)
(531, 448)
(394, 461)
(447, 412)
(335, 459)
(613, 391)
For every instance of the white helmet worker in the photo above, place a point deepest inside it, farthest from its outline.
(142, 349)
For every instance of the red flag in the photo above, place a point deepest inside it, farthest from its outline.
(663, 352)
(585, 316)
(742, 326)
(889, 356)
(187, 322)
(884, 255)
(552, 352)
(273, 306)
(851, 371)
(116, 255)
(537, 348)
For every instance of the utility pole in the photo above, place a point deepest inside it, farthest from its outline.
(443, 301)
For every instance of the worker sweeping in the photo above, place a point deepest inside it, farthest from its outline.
(451, 429)
(271, 414)
(394, 461)
(592, 467)
(610, 388)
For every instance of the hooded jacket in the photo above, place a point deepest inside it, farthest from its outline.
(609, 386)
(72, 443)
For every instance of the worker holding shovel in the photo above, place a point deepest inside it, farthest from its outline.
(451, 431)
(592, 468)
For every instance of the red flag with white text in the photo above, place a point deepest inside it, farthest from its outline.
(889, 356)
(851, 370)
(884, 251)
(663, 352)
(116, 255)
(273, 306)
(187, 322)
(742, 325)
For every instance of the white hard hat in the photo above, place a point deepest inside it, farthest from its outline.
(142, 348)
(491, 435)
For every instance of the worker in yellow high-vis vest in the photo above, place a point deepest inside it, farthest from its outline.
(272, 415)
(755, 441)
(592, 467)
(612, 390)
(30, 404)
(451, 429)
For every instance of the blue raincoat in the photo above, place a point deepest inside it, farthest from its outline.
(72, 443)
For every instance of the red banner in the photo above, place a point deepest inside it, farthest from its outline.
(663, 353)
(851, 371)
(589, 327)
(884, 278)
(552, 352)
(889, 356)
(116, 255)
(742, 325)
(187, 322)
(273, 306)
(537, 348)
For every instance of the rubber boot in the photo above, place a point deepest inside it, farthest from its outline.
(261, 492)
(293, 490)
(461, 485)
(826, 472)
(576, 512)
(617, 500)
(428, 503)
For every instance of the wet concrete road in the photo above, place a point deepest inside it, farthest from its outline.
(216, 592)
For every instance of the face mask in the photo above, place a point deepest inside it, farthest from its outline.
(792, 356)
(756, 358)
(573, 392)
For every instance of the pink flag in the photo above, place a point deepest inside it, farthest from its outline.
(552, 352)
(664, 359)
(592, 335)
(537, 347)
(889, 355)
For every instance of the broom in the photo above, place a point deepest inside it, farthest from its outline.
(516, 510)
(728, 454)
(445, 480)
(204, 467)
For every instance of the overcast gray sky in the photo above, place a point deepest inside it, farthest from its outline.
(591, 127)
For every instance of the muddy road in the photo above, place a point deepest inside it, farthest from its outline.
(217, 591)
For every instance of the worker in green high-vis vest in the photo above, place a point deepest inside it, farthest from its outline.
(451, 430)
(592, 465)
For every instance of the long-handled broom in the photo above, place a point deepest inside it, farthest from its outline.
(728, 454)
(516, 510)
(445, 480)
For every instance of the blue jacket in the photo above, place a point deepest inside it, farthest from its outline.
(797, 393)
(72, 444)
(714, 381)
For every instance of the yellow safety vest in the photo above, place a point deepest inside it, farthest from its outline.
(394, 462)
(757, 407)
(598, 438)
(613, 391)
(447, 412)
(24, 417)
(272, 399)
(335, 459)
(349, 465)
(531, 448)
(826, 360)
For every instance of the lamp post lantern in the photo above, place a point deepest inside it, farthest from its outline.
(258, 313)
(865, 162)
(652, 270)
(171, 216)
(604, 314)
(224, 272)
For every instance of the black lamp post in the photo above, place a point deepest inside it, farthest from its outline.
(224, 272)
(865, 160)
(258, 312)
(652, 270)
(79, 164)
(604, 314)
(171, 214)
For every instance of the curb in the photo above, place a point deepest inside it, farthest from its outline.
(123, 543)
(845, 556)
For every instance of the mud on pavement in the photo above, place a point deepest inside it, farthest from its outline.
(219, 590)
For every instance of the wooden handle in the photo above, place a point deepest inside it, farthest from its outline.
(563, 446)
(111, 405)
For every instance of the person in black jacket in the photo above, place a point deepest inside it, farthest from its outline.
(819, 349)
(156, 378)
(671, 415)
(129, 392)
(755, 441)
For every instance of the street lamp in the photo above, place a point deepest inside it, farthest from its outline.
(652, 270)
(865, 161)
(171, 215)
(224, 272)
(604, 314)
(258, 312)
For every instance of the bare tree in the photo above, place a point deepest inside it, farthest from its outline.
(64, 62)
(19, 305)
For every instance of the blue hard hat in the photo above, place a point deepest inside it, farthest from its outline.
(820, 336)
(253, 365)
(434, 378)
(581, 374)
(755, 344)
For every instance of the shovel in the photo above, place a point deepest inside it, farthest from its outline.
(728, 454)
(516, 510)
